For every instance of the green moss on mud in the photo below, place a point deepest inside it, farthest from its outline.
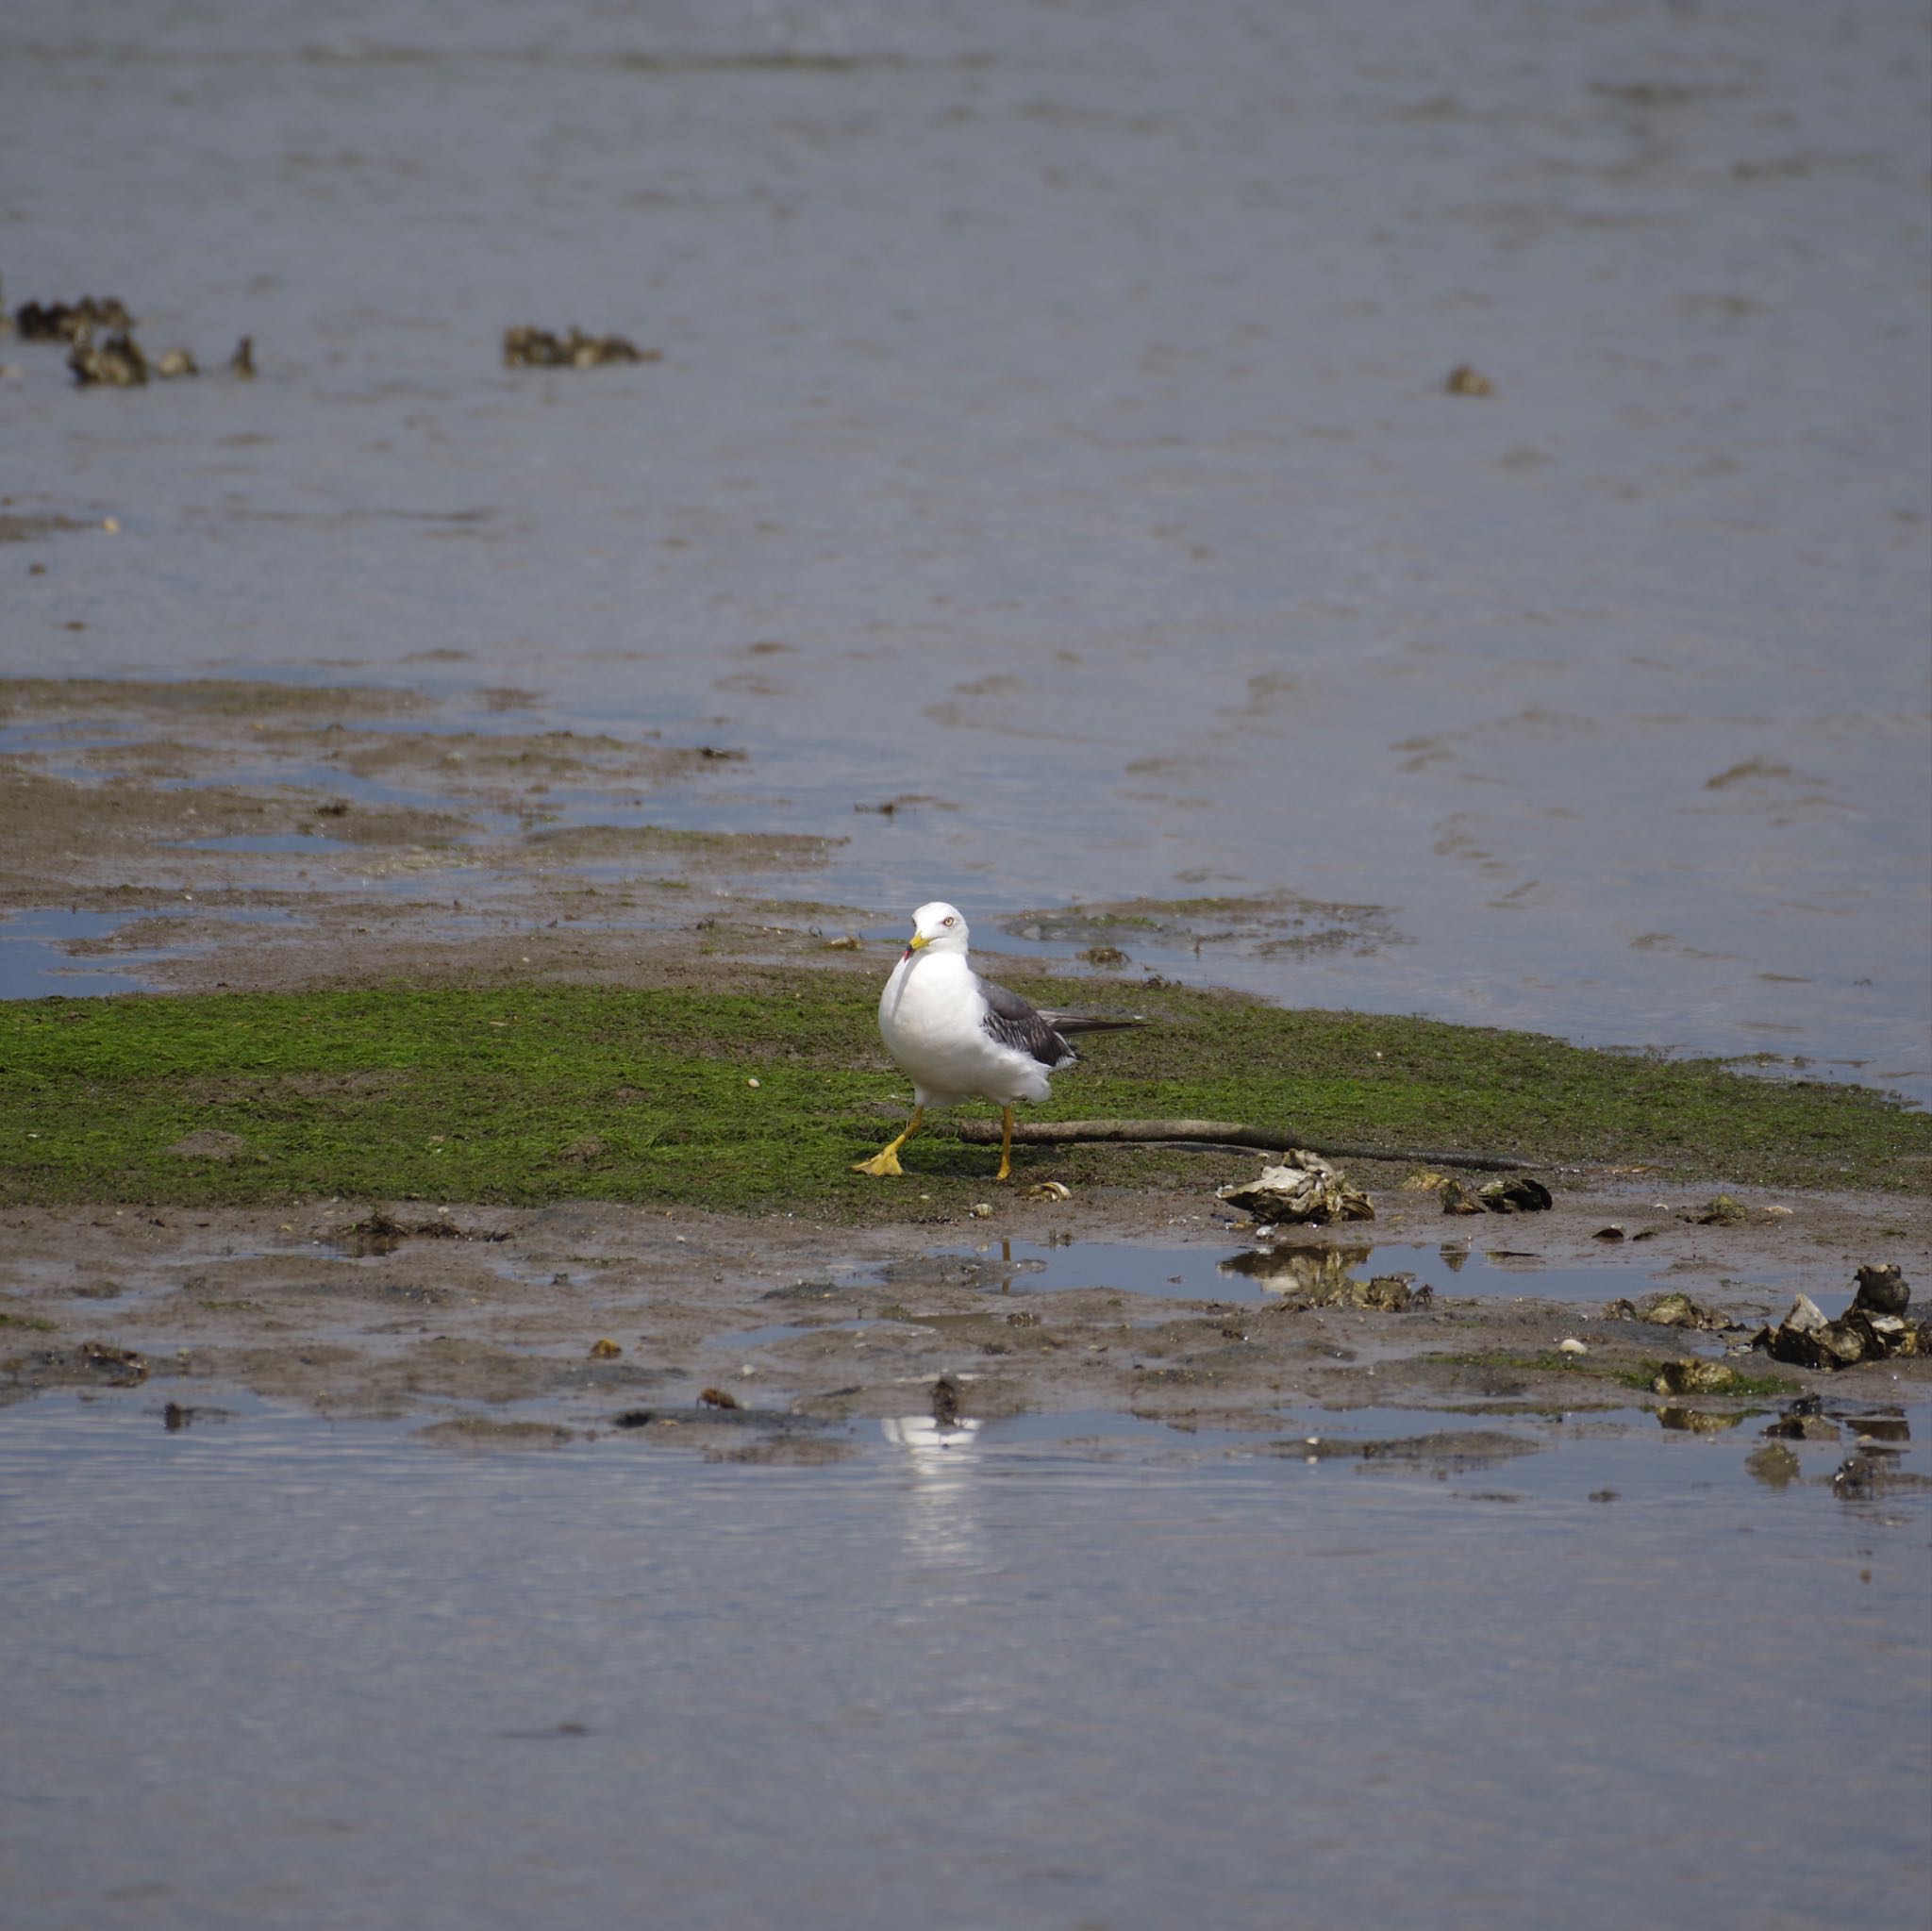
(556, 1091)
(1621, 1372)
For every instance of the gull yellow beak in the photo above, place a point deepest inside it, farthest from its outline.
(919, 943)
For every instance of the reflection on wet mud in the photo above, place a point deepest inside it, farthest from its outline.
(1327, 1274)
(1309, 1271)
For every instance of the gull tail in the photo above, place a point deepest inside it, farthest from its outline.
(1064, 1023)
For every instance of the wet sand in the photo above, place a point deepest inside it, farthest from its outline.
(486, 1324)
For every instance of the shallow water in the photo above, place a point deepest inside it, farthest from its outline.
(35, 961)
(1051, 424)
(1053, 1673)
(1262, 1273)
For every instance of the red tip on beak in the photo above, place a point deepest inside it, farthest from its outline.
(905, 955)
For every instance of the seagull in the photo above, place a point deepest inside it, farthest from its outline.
(962, 1038)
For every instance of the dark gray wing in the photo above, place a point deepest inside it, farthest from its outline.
(1013, 1022)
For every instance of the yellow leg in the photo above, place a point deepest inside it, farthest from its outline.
(1006, 1172)
(884, 1164)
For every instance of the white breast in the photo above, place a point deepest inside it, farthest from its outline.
(930, 1016)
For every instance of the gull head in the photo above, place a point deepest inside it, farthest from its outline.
(938, 927)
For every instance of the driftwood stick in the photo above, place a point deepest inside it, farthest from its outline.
(1214, 1132)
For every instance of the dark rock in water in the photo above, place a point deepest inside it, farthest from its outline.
(1790, 1427)
(1386, 1293)
(70, 320)
(537, 348)
(945, 1402)
(116, 363)
(1882, 1290)
(1518, 1194)
(174, 1417)
(1867, 1475)
(1774, 1465)
(1892, 1428)
(1456, 1198)
(241, 362)
(1699, 1421)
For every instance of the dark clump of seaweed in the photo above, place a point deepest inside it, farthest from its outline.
(537, 348)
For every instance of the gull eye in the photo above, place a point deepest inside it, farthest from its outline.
(949, 922)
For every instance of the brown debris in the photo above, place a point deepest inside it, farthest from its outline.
(1386, 1293)
(1693, 1377)
(93, 1364)
(1800, 1424)
(380, 1232)
(537, 348)
(1670, 1309)
(1721, 1210)
(71, 322)
(1304, 1188)
(1774, 1465)
(1882, 1290)
(115, 363)
(1518, 1194)
(1866, 1332)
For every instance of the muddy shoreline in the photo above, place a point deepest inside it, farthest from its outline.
(246, 837)
(765, 1338)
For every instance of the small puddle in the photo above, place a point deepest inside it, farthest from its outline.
(1263, 1273)
(782, 1331)
(36, 963)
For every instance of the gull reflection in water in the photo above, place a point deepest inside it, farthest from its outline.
(1296, 1269)
(941, 1513)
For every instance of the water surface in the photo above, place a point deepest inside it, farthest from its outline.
(268, 1671)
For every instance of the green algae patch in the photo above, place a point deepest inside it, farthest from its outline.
(1623, 1373)
(760, 1098)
